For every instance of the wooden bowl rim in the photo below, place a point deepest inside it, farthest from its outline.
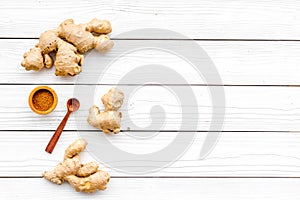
(39, 111)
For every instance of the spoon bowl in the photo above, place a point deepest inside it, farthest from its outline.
(73, 104)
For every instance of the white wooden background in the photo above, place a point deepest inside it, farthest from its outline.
(255, 47)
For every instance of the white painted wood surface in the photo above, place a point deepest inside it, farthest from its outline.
(237, 154)
(197, 19)
(156, 188)
(255, 48)
(238, 62)
(247, 108)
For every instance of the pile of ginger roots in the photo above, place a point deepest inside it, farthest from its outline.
(83, 177)
(63, 47)
(66, 44)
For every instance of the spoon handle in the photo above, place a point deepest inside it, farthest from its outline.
(56, 135)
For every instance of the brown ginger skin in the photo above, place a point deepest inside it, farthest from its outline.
(83, 177)
(68, 41)
(110, 119)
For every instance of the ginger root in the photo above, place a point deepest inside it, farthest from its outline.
(83, 177)
(110, 119)
(69, 41)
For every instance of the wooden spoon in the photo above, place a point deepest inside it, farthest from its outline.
(72, 105)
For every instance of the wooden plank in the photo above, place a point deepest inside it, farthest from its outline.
(237, 154)
(196, 19)
(247, 108)
(238, 63)
(154, 188)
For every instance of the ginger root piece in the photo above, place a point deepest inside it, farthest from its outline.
(69, 41)
(33, 59)
(94, 182)
(110, 119)
(83, 177)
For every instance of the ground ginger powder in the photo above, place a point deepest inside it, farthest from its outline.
(42, 100)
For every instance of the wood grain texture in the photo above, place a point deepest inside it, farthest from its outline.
(238, 63)
(247, 108)
(252, 43)
(237, 154)
(196, 19)
(136, 188)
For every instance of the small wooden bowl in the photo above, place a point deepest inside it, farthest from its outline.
(32, 105)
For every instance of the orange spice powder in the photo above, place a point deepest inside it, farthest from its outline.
(42, 100)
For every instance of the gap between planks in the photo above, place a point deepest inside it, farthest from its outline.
(168, 39)
(164, 131)
(169, 177)
(108, 84)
